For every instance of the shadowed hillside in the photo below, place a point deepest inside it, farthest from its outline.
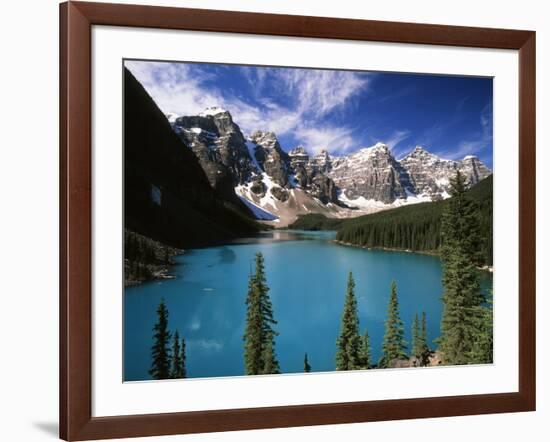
(167, 195)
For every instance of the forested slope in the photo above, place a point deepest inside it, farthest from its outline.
(316, 221)
(418, 227)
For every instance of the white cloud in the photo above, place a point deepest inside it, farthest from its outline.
(332, 139)
(396, 137)
(173, 87)
(321, 91)
(476, 145)
(311, 95)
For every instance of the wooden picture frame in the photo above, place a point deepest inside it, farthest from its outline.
(76, 21)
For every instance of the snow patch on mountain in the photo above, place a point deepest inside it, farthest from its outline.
(277, 185)
(371, 205)
(260, 213)
(171, 117)
(212, 111)
(252, 152)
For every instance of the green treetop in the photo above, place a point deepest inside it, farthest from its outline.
(482, 350)
(416, 337)
(462, 297)
(160, 351)
(307, 367)
(394, 345)
(177, 370)
(348, 345)
(365, 350)
(259, 336)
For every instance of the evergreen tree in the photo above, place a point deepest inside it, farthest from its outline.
(482, 351)
(307, 367)
(160, 351)
(417, 347)
(424, 334)
(365, 350)
(183, 369)
(177, 365)
(259, 333)
(253, 330)
(462, 297)
(424, 349)
(269, 360)
(418, 226)
(394, 345)
(420, 351)
(349, 342)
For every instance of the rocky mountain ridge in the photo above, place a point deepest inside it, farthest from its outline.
(278, 186)
(168, 196)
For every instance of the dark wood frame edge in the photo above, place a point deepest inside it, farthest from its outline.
(76, 421)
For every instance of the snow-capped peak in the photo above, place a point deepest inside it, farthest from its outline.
(470, 157)
(371, 150)
(380, 145)
(420, 149)
(420, 153)
(298, 151)
(211, 111)
(172, 117)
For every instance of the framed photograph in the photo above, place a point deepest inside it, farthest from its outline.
(272, 221)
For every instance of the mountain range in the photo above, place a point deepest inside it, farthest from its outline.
(277, 186)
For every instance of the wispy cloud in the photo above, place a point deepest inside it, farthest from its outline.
(479, 144)
(397, 94)
(309, 97)
(174, 87)
(319, 92)
(394, 142)
(396, 137)
(322, 109)
(437, 131)
(337, 140)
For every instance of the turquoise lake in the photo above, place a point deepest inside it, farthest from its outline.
(306, 273)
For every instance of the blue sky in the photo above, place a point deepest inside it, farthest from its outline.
(341, 111)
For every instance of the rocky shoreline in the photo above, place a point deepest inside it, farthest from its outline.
(146, 259)
(159, 272)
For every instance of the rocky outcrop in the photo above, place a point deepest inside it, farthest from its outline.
(372, 173)
(431, 175)
(429, 359)
(279, 193)
(310, 174)
(271, 159)
(323, 188)
(474, 170)
(219, 145)
(298, 157)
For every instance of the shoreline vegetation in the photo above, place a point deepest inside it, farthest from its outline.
(410, 225)
(484, 268)
(146, 259)
(416, 228)
(172, 205)
(466, 335)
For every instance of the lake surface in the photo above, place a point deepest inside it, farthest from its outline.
(306, 273)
